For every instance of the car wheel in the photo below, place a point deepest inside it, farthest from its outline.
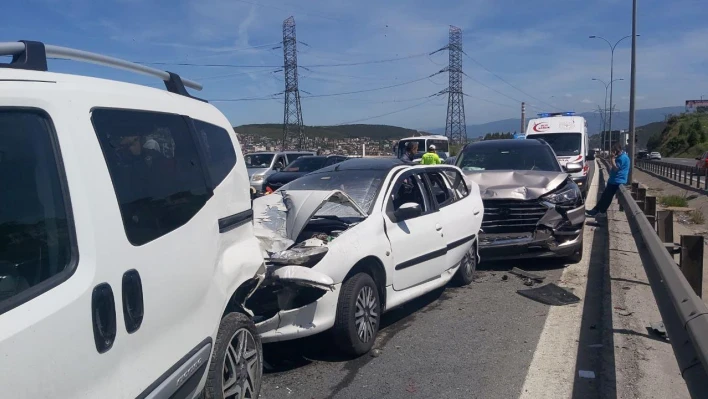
(577, 256)
(468, 265)
(358, 315)
(236, 368)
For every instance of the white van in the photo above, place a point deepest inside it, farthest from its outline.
(567, 134)
(126, 238)
(441, 143)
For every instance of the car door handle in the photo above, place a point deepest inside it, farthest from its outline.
(438, 227)
(476, 212)
(133, 307)
(103, 315)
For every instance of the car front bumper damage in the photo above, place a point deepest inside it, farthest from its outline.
(559, 233)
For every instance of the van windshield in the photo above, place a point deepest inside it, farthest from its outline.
(258, 160)
(563, 144)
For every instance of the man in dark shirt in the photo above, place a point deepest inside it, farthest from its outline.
(411, 150)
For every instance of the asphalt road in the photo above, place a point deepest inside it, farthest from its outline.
(680, 161)
(467, 342)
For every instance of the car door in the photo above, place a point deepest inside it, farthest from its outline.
(417, 244)
(460, 216)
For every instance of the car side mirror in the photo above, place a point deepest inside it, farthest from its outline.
(409, 210)
(698, 158)
(591, 157)
(573, 167)
(278, 167)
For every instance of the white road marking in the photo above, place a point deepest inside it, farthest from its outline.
(552, 370)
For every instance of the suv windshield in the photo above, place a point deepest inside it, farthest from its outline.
(306, 164)
(258, 160)
(564, 144)
(503, 157)
(361, 185)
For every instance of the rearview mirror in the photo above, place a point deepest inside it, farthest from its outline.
(409, 210)
(573, 167)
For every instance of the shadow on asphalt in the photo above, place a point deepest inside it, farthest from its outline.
(524, 264)
(290, 355)
(596, 325)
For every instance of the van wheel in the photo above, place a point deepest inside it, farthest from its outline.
(468, 265)
(358, 315)
(236, 367)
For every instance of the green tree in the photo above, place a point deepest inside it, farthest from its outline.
(675, 144)
(682, 130)
(692, 138)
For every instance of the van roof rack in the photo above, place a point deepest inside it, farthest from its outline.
(550, 114)
(33, 55)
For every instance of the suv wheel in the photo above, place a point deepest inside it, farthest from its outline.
(236, 368)
(358, 315)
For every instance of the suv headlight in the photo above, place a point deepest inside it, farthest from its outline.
(569, 194)
(257, 178)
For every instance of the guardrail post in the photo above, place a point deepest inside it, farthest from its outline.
(641, 196)
(705, 179)
(665, 225)
(690, 179)
(635, 186)
(691, 262)
(684, 174)
(650, 210)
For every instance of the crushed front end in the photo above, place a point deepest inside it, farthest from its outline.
(550, 225)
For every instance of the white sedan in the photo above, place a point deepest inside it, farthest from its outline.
(654, 155)
(349, 242)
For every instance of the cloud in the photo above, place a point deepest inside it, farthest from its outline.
(586, 101)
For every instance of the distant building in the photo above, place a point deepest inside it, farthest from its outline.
(697, 106)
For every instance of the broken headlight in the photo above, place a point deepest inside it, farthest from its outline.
(299, 256)
(569, 194)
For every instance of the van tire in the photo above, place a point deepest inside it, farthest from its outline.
(231, 327)
(345, 331)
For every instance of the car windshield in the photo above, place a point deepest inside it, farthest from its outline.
(564, 144)
(258, 160)
(361, 185)
(305, 164)
(505, 157)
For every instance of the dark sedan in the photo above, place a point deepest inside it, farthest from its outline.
(298, 168)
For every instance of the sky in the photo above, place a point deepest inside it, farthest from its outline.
(537, 51)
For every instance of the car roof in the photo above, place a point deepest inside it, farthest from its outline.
(508, 143)
(382, 164)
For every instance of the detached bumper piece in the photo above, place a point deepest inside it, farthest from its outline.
(530, 228)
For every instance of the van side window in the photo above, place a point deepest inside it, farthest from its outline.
(35, 230)
(155, 168)
(218, 150)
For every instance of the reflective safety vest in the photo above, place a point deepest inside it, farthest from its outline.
(430, 158)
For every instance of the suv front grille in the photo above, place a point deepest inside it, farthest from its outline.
(511, 216)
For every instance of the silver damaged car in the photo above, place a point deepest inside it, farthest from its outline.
(531, 206)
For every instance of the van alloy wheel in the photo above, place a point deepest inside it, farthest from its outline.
(367, 314)
(242, 367)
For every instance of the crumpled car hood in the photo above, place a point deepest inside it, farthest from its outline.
(279, 218)
(516, 184)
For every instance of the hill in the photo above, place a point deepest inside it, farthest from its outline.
(620, 121)
(684, 135)
(375, 132)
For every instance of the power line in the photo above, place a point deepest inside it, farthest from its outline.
(387, 113)
(193, 64)
(505, 81)
(370, 90)
(499, 92)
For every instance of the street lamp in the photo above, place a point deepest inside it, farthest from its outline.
(612, 67)
(604, 119)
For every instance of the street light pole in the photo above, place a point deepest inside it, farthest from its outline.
(604, 118)
(612, 70)
(632, 87)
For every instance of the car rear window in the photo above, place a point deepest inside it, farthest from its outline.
(219, 152)
(35, 240)
(155, 168)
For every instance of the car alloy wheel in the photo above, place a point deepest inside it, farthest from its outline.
(367, 314)
(242, 367)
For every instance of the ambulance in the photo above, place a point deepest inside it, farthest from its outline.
(567, 134)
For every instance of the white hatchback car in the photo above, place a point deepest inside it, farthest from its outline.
(126, 243)
(353, 240)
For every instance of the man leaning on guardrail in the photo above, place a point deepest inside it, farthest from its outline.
(618, 175)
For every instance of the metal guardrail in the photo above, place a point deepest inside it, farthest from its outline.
(684, 314)
(688, 175)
